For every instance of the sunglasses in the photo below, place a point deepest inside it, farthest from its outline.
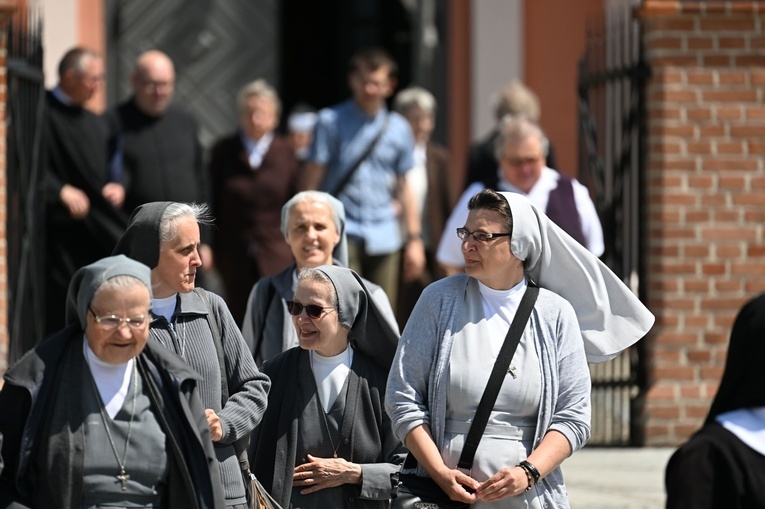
(312, 310)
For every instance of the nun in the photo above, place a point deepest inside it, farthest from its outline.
(325, 440)
(582, 313)
(97, 416)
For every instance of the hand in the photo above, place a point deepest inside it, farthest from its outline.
(75, 201)
(414, 260)
(320, 473)
(508, 482)
(114, 193)
(213, 421)
(453, 482)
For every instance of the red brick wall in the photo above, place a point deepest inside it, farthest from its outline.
(706, 197)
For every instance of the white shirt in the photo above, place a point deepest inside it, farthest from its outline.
(165, 307)
(330, 374)
(748, 424)
(112, 380)
(256, 150)
(450, 248)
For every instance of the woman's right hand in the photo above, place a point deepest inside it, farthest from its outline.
(456, 483)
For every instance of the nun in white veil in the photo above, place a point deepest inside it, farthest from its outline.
(583, 313)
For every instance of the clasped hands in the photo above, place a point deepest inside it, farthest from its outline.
(508, 482)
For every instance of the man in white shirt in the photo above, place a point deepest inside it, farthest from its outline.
(521, 150)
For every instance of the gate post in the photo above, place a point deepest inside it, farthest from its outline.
(7, 8)
(705, 197)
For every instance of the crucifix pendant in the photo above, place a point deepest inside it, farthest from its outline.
(511, 370)
(123, 478)
(335, 455)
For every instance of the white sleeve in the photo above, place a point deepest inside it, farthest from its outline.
(591, 227)
(450, 247)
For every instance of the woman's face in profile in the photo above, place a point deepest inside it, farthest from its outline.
(178, 262)
(117, 345)
(324, 334)
(491, 262)
(311, 234)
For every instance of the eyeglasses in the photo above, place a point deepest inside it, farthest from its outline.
(312, 310)
(482, 237)
(112, 322)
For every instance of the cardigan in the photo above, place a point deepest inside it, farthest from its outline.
(416, 392)
(29, 402)
(366, 435)
(191, 337)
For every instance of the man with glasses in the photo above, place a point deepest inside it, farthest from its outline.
(521, 150)
(82, 223)
(156, 152)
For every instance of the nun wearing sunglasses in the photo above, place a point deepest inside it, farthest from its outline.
(325, 440)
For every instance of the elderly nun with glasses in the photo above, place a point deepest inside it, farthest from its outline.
(541, 414)
(325, 440)
(96, 416)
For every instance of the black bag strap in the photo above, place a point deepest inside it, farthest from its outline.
(497, 376)
(349, 174)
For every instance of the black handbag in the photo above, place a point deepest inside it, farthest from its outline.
(411, 491)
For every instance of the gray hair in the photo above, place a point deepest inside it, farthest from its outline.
(517, 99)
(168, 224)
(258, 88)
(310, 196)
(314, 274)
(516, 129)
(122, 282)
(415, 97)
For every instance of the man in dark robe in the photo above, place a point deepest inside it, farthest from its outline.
(82, 221)
(154, 146)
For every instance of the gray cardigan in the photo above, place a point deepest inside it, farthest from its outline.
(248, 388)
(416, 392)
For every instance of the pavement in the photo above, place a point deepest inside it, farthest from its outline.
(616, 478)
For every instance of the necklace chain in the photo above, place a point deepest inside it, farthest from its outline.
(122, 476)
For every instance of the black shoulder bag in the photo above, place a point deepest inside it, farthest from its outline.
(257, 496)
(411, 491)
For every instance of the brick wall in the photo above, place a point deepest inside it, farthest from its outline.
(706, 197)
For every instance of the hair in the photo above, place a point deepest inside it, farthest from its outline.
(74, 59)
(258, 88)
(414, 97)
(516, 129)
(123, 282)
(488, 199)
(516, 99)
(317, 275)
(373, 58)
(168, 224)
(315, 197)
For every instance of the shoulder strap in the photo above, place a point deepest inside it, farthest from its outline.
(497, 377)
(218, 345)
(349, 174)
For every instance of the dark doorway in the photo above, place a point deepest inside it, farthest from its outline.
(318, 39)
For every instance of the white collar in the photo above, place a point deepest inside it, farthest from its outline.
(62, 96)
(748, 424)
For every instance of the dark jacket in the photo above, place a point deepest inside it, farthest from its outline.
(31, 393)
(366, 427)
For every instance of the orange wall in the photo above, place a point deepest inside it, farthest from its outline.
(91, 34)
(554, 42)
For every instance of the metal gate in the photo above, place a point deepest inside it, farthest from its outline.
(25, 233)
(216, 47)
(612, 80)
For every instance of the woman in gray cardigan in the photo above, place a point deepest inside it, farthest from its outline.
(458, 326)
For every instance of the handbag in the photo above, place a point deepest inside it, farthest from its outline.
(411, 491)
(257, 496)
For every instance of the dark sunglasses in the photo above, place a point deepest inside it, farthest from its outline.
(312, 310)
